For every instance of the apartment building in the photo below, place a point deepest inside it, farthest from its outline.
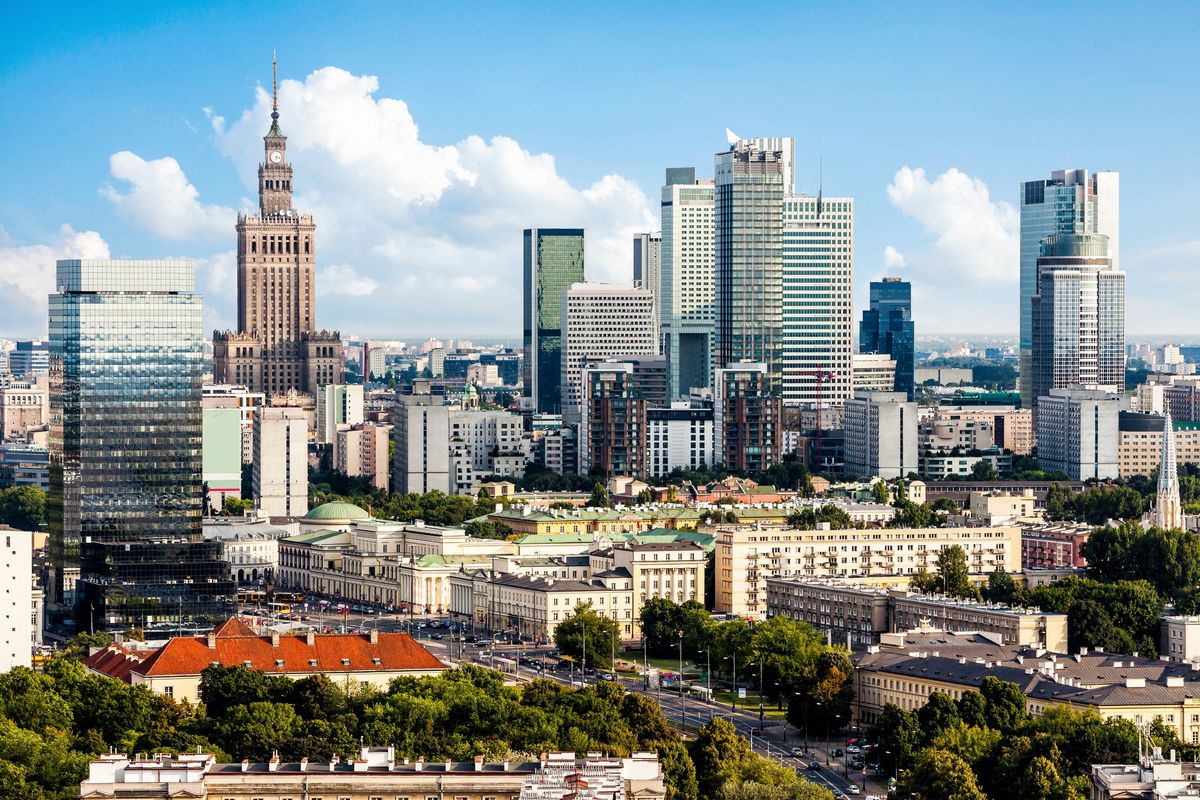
(747, 555)
(1012, 427)
(670, 570)
(363, 450)
(1139, 451)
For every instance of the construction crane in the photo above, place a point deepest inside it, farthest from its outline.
(821, 376)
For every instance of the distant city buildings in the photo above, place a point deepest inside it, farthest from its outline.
(30, 357)
(553, 261)
(337, 404)
(887, 327)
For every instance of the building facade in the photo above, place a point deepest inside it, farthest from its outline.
(126, 497)
(1071, 201)
(221, 435)
(363, 450)
(681, 436)
(686, 294)
(23, 407)
(613, 431)
(887, 327)
(280, 471)
(421, 432)
(747, 418)
(277, 346)
(647, 267)
(337, 404)
(874, 372)
(19, 629)
(881, 435)
(1078, 431)
(553, 261)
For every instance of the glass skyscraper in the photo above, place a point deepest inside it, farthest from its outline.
(1072, 201)
(126, 496)
(887, 327)
(750, 187)
(553, 261)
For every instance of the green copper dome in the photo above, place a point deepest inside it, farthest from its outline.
(332, 511)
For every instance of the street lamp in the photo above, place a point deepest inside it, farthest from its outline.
(735, 686)
(679, 680)
(708, 679)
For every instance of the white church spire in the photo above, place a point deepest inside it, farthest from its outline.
(1168, 512)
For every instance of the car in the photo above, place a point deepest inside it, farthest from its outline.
(853, 749)
(837, 752)
(483, 644)
(471, 639)
(436, 636)
(798, 752)
(852, 789)
(606, 676)
(814, 765)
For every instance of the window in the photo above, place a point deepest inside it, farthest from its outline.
(169, 691)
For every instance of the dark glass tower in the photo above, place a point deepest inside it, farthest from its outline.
(887, 327)
(125, 481)
(553, 261)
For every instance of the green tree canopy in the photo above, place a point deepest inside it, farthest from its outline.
(588, 636)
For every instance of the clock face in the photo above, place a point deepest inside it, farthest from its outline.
(276, 156)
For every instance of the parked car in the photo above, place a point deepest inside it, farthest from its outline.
(853, 749)
(471, 639)
(483, 644)
(852, 789)
(436, 636)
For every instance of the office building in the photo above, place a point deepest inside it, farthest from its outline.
(1078, 433)
(338, 404)
(1071, 201)
(1140, 449)
(747, 418)
(874, 372)
(24, 405)
(126, 499)
(281, 462)
(818, 299)
(362, 449)
(751, 179)
(484, 443)
(19, 628)
(601, 320)
(881, 435)
(887, 327)
(421, 432)
(553, 262)
(680, 436)
(687, 284)
(245, 401)
(277, 346)
(748, 554)
(31, 357)
(221, 440)
(1078, 317)
(24, 464)
(647, 266)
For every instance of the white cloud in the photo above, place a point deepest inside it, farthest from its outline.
(27, 276)
(436, 228)
(344, 279)
(160, 199)
(976, 239)
(214, 119)
(893, 258)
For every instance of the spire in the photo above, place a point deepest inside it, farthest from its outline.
(274, 97)
(820, 186)
(1168, 511)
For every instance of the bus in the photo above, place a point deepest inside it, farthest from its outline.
(279, 608)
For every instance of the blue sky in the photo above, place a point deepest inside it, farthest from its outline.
(483, 119)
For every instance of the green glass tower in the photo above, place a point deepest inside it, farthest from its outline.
(553, 261)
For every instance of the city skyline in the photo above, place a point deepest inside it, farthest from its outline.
(424, 176)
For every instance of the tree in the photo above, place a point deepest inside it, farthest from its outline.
(938, 714)
(939, 775)
(822, 701)
(952, 576)
(600, 497)
(984, 470)
(1001, 588)
(972, 709)
(586, 625)
(898, 733)
(1006, 707)
(911, 515)
(1059, 502)
(235, 506)
(879, 490)
(1090, 625)
(660, 619)
(23, 508)
(718, 753)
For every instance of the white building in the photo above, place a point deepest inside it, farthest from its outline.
(281, 462)
(338, 404)
(818, 299)
(483, 443)
(600, 320)
(363, 450)
(680, 437)
(874, 372)
(647, 266)
(17, 631)
(223, 395)
(687, 283)
(881, 435)
(250, 545)
(1078, 433)
(421, 432)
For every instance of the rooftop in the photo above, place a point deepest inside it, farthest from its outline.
(327, 512)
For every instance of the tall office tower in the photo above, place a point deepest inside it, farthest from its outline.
(421, 437)
(747, 418)
(818, 299)
(553, 261)
(887, 327)
(1071, 201)
(1168, 510)
(1078, 315)
(600, 320)
(338, 404)
(749, 192)
(612, 434)
(280, 470)
(881, 435)
(126, 497)
(277, 347)
(686, 290)
(647, 265)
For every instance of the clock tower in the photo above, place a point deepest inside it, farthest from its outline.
(277, 348)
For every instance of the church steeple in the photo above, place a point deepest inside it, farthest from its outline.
(1168, 511)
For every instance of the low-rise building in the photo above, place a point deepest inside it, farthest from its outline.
(1181, 638)
(350, 660)
(747, 555)
(378, 772)
(950, 465)
(24, 406)
(1053, 545)
(1002, 508)
(250, 545)
(24, 464)
(1152, 778)
(1012, 427)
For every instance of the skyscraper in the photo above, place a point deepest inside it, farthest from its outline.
(1078, 315)
(887, 327)
(647, 267)
(600, 320)
(818, 299)
(750, 187)
(277, 346)
(553, 261)
(686, 283)
(126, 495)
(1071, 201)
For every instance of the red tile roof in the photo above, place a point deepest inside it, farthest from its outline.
(114, 661)
(332, 653)
(234, 627)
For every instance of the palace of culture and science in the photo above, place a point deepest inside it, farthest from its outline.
(277, 348)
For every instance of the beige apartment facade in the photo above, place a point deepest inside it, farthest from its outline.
(534, 607)
(747, 555)
(1139, 452)
(1012, 428)
(363, 450)
(672, 570)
